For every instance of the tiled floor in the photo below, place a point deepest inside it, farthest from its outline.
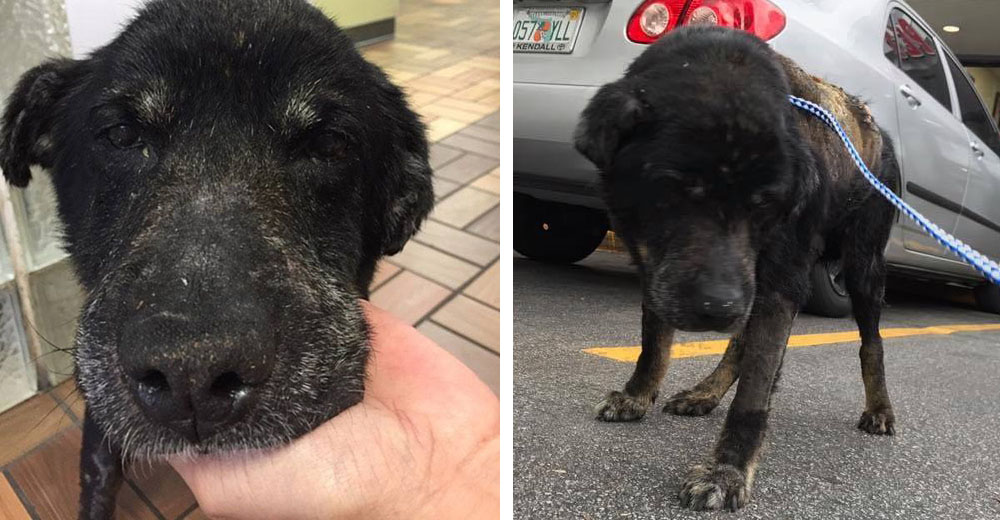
(446, 282)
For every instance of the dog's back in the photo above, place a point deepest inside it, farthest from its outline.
(852, 113)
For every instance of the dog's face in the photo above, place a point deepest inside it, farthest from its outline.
(696, 173)
(228, 173)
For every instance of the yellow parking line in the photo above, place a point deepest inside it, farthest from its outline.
(718, 346)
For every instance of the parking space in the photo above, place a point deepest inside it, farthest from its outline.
(942, 369)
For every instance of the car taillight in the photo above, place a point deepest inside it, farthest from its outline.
(760, 17)
(653, 19)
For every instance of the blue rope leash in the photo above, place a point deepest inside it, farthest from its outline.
(983, 264)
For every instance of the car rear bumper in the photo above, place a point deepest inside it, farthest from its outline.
(546, 165)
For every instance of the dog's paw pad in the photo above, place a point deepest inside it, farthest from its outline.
(618, 407)
(722, 487)
(880, 422)
(689, 403)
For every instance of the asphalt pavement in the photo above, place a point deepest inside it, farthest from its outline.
(943, 462)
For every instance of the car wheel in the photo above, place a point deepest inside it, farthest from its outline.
(988, 298)
(829, 294)
(555, 232)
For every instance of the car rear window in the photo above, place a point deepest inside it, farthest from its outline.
(974, 115)
(917, 55)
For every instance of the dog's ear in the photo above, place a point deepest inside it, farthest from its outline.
(406, 191)
(606, 123)
(410, 199)
(25, 130)
(806, 173)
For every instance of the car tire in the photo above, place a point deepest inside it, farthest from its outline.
(554, 232)
(988, 298)
(829, 297)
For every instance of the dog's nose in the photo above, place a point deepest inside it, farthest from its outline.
(193, 384)
(718, 305)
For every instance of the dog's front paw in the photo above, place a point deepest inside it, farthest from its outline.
(619, 407)
(689, 403)
(880, 422)
(720, 487)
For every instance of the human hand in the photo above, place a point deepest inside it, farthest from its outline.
(424, 443)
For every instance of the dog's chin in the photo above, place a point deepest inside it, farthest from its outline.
(242, 437)
(268, 430)
(679, 319)
(693, 325)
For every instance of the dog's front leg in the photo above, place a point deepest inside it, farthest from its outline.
(726, 480)
(100, 473)
(705, 396)
(642, 388)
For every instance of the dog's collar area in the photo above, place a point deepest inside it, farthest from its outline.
(981, 262)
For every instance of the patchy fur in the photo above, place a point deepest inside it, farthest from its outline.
(228, 172)
(726, 196)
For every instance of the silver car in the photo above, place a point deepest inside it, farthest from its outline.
(880, 50)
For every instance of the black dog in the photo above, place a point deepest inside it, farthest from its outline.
(726, 196)
(228, 173)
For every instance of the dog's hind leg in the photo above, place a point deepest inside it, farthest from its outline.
(725, 481)
(100, 474)
(705, 396)
(864, 271)
(643, 387)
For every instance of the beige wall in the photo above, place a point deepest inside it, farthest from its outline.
(987, 83)
(352, 13)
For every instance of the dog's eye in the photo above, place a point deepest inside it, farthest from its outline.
(329, 145)
(124, 136)
(759, 201)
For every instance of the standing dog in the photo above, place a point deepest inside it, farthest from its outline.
(228, 172)
(726, 196)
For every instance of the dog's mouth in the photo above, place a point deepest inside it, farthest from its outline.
(275, 415)
(692, 322)
(213, 394)
(689, 315)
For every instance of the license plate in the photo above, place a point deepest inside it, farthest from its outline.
(547, 30)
